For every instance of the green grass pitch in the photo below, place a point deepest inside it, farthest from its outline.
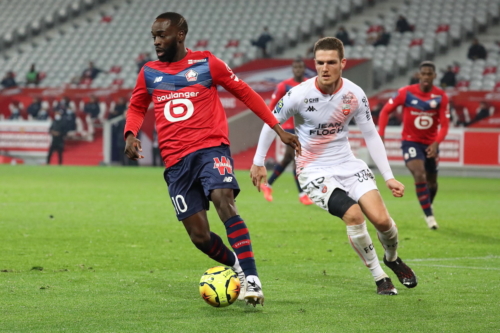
(98, 249)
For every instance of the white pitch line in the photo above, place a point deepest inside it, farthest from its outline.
(451, 259)
(461, 267)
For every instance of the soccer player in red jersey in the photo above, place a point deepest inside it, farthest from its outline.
(193, 139)
(425, 108)
(299, 69)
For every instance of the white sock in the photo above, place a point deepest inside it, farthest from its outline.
(236, 267)
(362, 243)
(389, 240)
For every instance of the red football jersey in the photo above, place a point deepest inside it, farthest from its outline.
(188, 113)
(281, 89)
(422, 113)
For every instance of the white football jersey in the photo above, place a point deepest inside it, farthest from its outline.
(321, 121)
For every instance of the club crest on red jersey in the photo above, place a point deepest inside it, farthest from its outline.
(191, 75)
(224, 164)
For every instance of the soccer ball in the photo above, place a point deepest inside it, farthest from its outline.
(219, 286)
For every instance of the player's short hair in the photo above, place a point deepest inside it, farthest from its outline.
(330, 43)
(427, 63)
(176, 20)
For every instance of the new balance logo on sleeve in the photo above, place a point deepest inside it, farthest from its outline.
(158, 79)
(228, 179)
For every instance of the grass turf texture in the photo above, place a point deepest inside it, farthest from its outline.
(91, 249)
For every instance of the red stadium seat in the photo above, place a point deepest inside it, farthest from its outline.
(232, 43)
(374, 28)
(117, 82)
(417, 42)
(115, 69)
(442, 28)
(201, 43)
(490, 70)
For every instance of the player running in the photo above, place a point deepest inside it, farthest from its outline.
(328, 172)
(425, 107)
(193, 140)
(299, 69)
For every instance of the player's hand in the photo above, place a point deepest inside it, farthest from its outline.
(398, 189)
(133, 147)
(289, 139)
(292, 141)
(432, 150)
(258, 175)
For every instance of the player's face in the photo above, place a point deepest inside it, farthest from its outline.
(298, 69)
(426, 76)
(329, 66)
(166, 39)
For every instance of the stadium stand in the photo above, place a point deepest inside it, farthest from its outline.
(62, 36)
(224, 27)
(227, 28)
(480, 74)
(438, 25)
(22, 19)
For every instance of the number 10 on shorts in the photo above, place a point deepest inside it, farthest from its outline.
(179, 204)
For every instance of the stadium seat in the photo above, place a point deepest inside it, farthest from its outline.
(226, 29)
(88, 3)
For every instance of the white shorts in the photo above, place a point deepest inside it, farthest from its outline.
(354, 177)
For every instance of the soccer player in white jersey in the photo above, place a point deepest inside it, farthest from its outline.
(329, 172)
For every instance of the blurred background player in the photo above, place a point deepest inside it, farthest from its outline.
(425, 108)
(193, 139)
(329, 172)
(298, 68)
(58, 131)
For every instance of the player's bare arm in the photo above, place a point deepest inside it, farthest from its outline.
(432, 150)
(258, 175)
(397, 188)
(288, 139)
(133, 147)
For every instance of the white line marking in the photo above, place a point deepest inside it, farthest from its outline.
(451, 259)
(461, 267)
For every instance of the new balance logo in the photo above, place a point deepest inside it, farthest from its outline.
(158, 79)
(228, 179)
(310, 109)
